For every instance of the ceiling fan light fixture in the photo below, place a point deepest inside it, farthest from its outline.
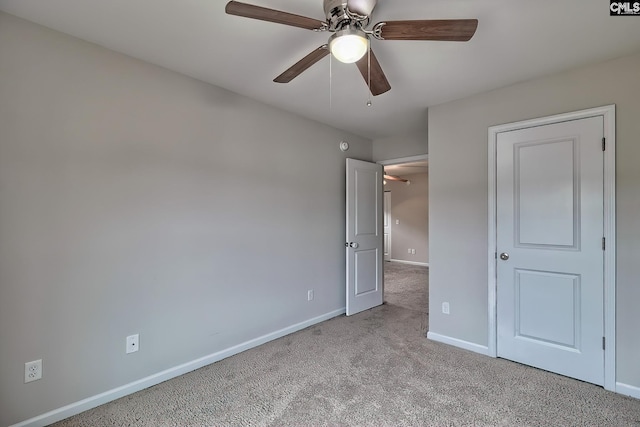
(348, 45)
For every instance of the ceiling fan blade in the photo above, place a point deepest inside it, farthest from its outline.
(459, 30)
(302, 65)
(379, 82)
(395, 178)
(265, 14)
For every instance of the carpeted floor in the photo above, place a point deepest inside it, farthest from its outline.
(372, 369)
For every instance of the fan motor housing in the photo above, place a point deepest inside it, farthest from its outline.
(341, 14)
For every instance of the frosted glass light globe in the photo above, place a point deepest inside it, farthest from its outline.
(348, 45)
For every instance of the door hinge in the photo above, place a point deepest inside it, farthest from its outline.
(603, 343)
(604, 243)
(604, 143)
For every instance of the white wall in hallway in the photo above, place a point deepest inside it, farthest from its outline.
(410, 218)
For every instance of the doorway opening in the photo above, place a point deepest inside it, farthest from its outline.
(364, 225)
(406, 210)
(406, 220)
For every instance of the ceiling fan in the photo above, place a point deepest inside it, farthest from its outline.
(347, 20)
(393, 178)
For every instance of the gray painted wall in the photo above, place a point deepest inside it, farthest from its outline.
(136, 200)
(399, 146)
(410, 205)
(458, 195)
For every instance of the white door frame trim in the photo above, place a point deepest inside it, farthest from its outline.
(401, 160)
(385, 207)
(608, 113)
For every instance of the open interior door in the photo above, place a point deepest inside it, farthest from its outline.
(364, 244)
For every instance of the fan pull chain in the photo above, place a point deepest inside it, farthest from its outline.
(330, 81)
(369, 69)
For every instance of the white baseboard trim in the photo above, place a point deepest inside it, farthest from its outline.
(127, 389)
(477, 348)
(628, 390)
(401, 261)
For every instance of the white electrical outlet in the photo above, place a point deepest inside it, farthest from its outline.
(445, 307)
(310, 295)
(408, 251)
(133, 343)
(32, 371)
(413, 251)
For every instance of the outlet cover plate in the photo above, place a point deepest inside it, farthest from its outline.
(32, 371)
(133, 343)
(445, 307)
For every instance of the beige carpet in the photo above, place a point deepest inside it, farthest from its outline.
(372, 369)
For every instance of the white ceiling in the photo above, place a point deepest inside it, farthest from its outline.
(516, 40)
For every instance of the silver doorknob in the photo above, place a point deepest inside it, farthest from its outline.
(354, 245)
(504, 256)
